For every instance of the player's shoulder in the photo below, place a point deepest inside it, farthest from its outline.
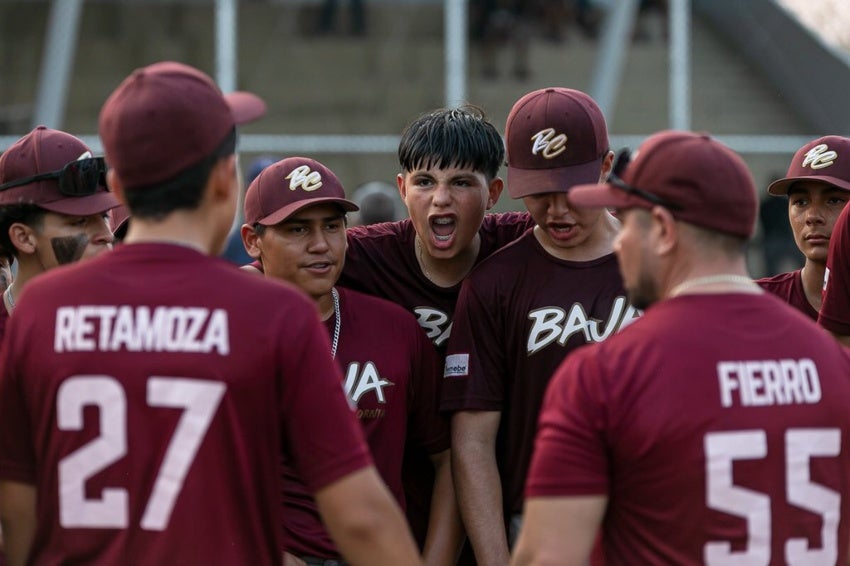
(376, 308)
(376, 234)
(511, 256)
(778, 280)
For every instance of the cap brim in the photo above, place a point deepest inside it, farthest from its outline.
(780, 187)
(603, 196)
(526, 182)
(245, 106)
(82, 206)
(283, 213)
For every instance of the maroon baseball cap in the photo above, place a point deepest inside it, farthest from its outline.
(47, 151)
(167, 117)
(700, 181)
(284, 188)
(556, 138)
(825, 159)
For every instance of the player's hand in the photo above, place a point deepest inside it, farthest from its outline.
(290, 560)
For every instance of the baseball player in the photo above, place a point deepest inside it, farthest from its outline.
(146, 421)
(295, 213)
(714, 430)
(449, 160)
(817, 186)
(527, 306)
(53, 202)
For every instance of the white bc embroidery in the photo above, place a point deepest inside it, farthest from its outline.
(547, 144)
(306, 179)
(820, 157)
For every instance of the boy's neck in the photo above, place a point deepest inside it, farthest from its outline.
(447, 272)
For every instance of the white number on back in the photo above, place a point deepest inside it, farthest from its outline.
(721, 451)
(199, 399)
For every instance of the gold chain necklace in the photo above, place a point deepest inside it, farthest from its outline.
(418, 246)
(737, 280)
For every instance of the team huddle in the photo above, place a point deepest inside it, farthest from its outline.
(595, 380)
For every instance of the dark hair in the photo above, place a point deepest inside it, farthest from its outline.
(183, 191)
(30, 214)
(452, 137)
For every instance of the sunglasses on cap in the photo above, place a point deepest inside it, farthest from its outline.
(79, 178)
(624, 157)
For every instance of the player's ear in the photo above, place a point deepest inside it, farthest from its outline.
(607, 166)
(402, 185)
(665, 230)
(23, 237)
(224, 179)
(251, 240)
(494, 191)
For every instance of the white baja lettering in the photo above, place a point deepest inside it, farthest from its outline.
(358, 383)
(552, 324)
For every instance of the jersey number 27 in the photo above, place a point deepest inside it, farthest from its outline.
(199, 400)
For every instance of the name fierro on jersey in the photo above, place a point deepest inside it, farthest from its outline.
(107, 328)
(756, 383)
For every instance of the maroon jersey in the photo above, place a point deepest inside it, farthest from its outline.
(716, 425)
(381, 261)
(147, 394)
(789, 288)
(390, 375)
(520, 312)
(835, 310)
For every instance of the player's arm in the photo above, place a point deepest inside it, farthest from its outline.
(445, 532)
(479, 488)
(365, 522)
(558, 530)
(17, 515)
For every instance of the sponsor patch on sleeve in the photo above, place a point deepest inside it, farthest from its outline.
(457, 365)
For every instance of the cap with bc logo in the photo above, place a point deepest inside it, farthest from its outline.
(284, 188)
(825, 159)
(555, 138)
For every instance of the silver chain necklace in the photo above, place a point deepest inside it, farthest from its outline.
(337, 323)
(10, 298)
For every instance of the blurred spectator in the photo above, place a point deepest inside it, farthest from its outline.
(234, 250)
(379, 201)
(327, 17)
(647, 7)
(496, 23)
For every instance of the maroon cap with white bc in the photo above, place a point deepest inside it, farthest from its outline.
(825, 159)
(41, 151)
(167, 117)
(702, 181)
(555, 138)
(284, 188)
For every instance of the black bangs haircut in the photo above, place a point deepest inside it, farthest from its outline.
(452, 137)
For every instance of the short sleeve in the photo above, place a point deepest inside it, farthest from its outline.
(570, 454)
(473, 376)
(322, 432)
(17, 456)
(835, 310)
